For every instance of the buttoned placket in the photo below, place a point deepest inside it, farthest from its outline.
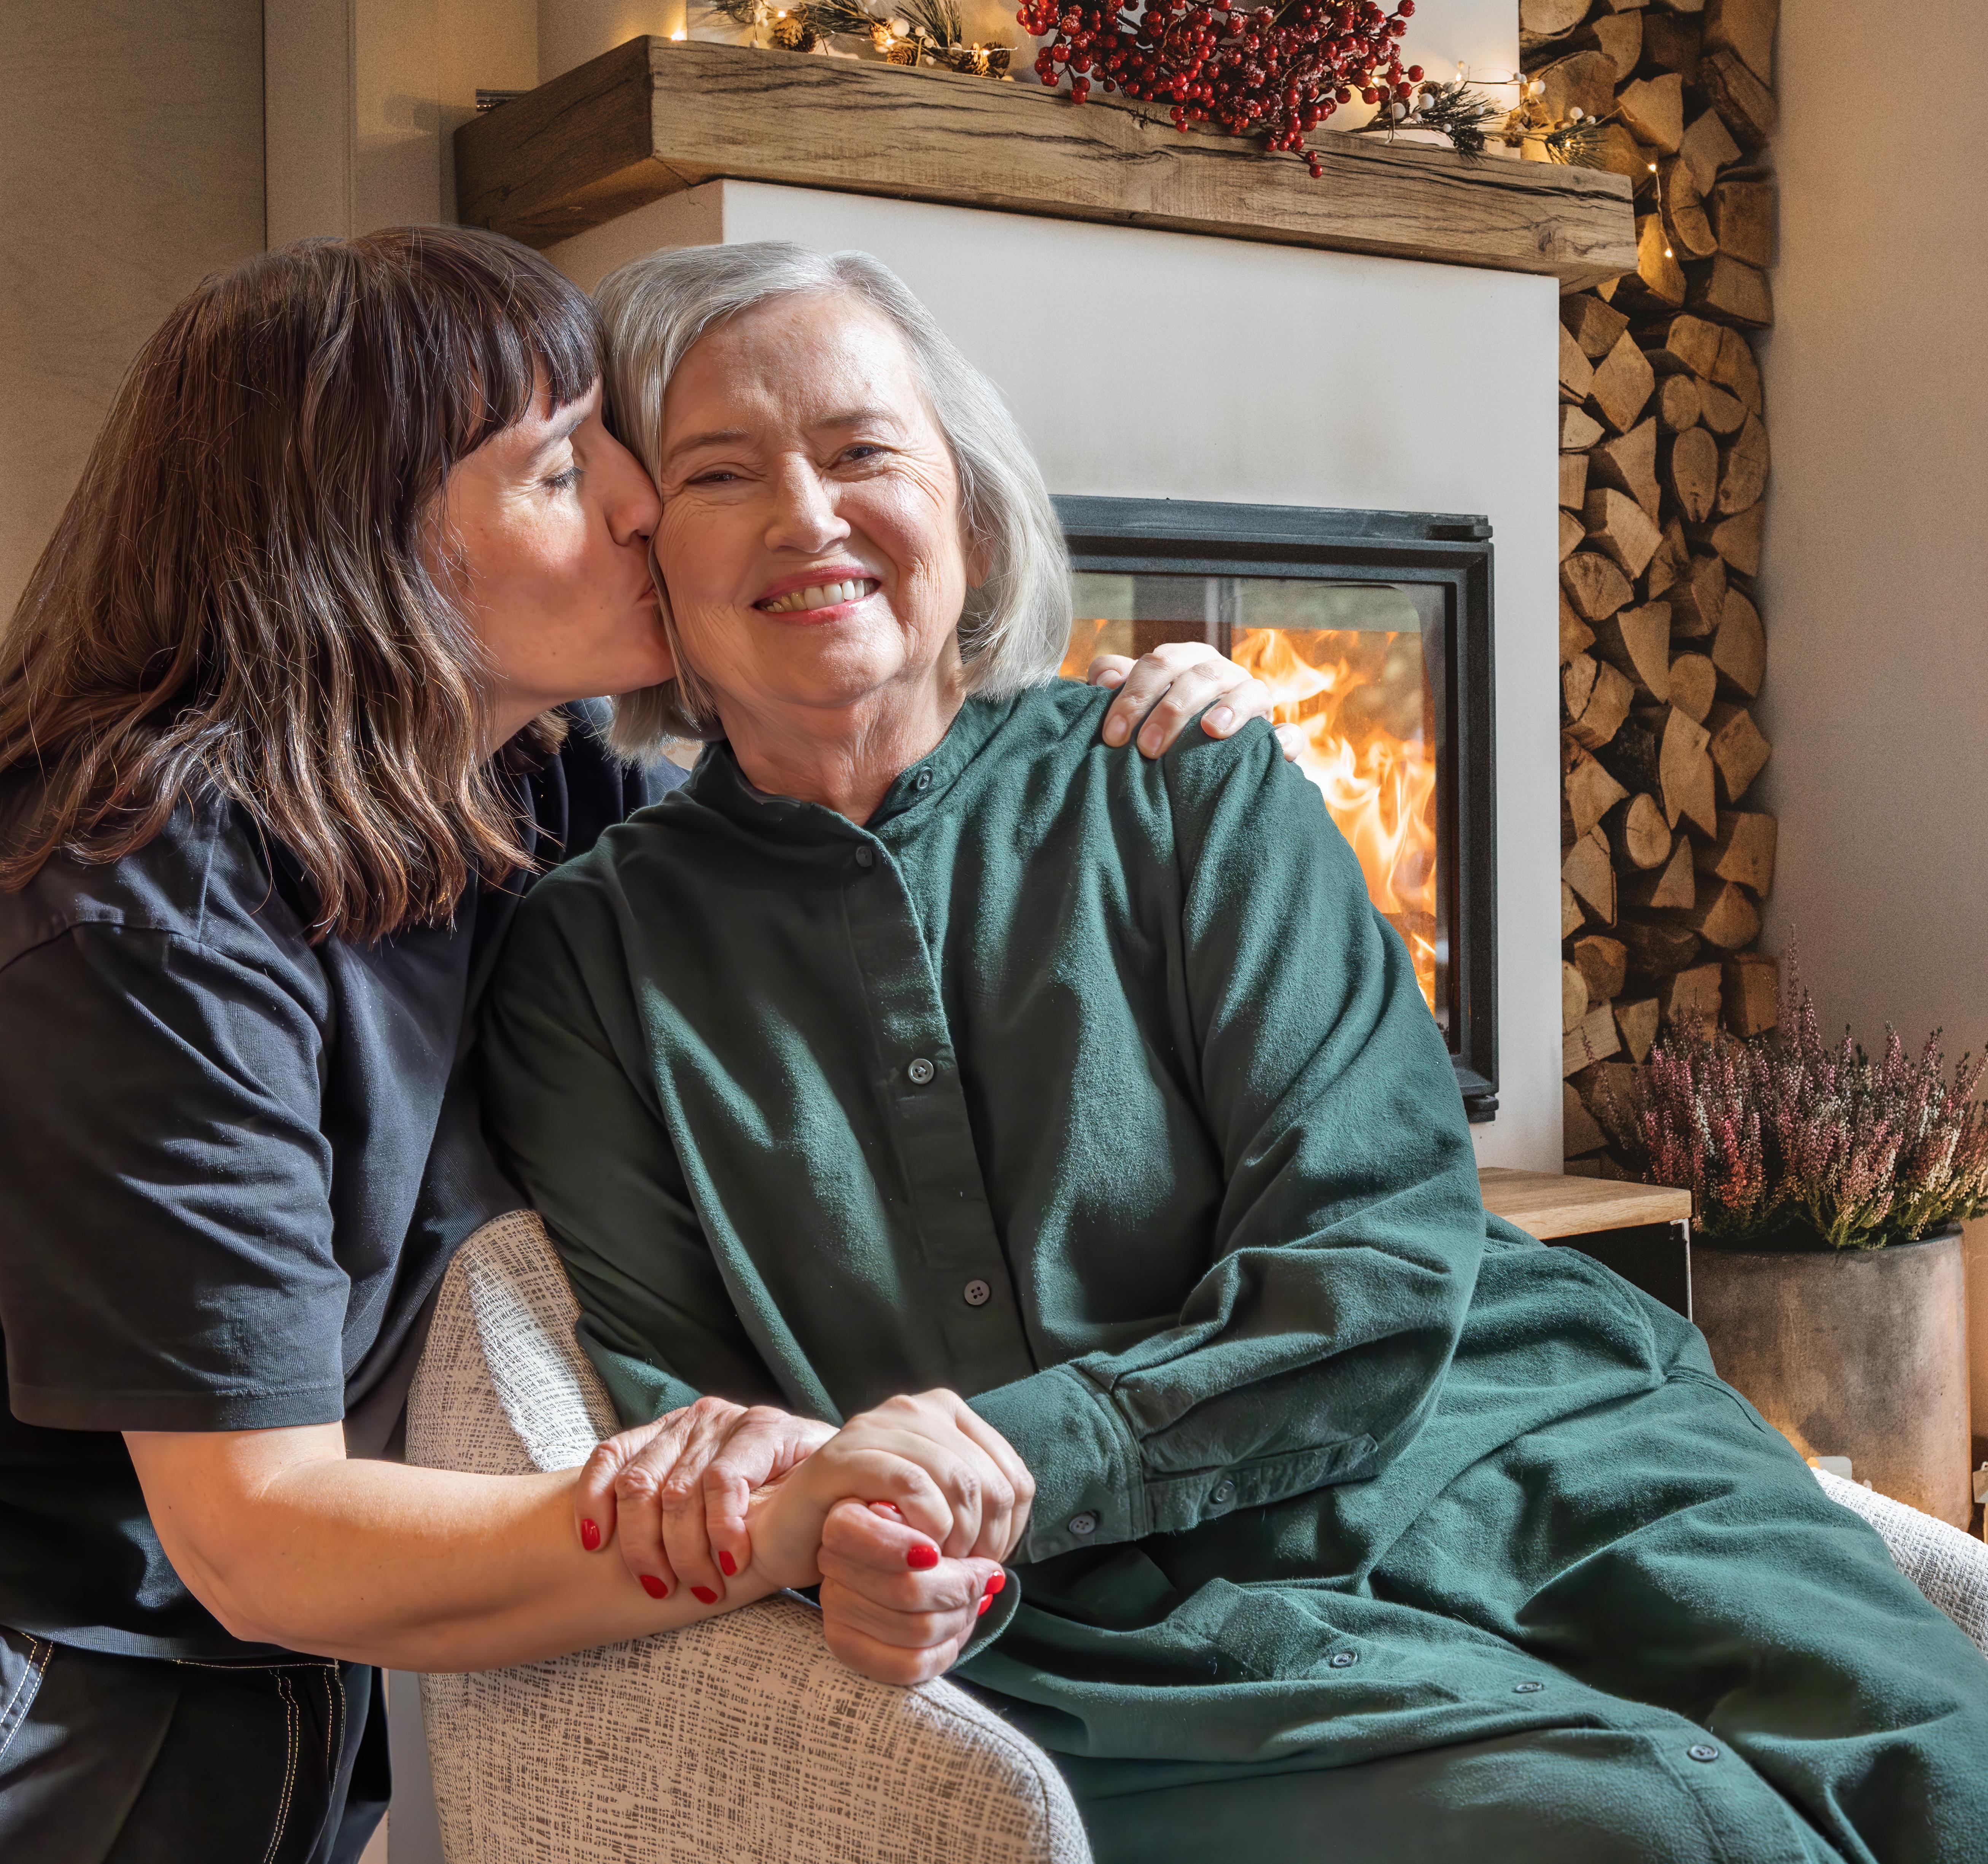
(969, 1292)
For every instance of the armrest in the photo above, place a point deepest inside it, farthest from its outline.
(1949, 1567)
(739, 1738)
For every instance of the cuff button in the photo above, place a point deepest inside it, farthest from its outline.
(1083, 1523)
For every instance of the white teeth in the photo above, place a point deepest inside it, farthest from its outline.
(818, 595)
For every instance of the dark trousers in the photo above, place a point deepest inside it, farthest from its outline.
(112, 1760)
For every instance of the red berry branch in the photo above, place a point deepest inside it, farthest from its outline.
(1275, 71)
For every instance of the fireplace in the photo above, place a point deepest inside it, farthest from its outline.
(1373, 629)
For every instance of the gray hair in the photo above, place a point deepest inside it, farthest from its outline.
(1014, 628)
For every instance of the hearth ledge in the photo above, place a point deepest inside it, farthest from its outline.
(654, 117)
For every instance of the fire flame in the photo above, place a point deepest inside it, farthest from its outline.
(1366, 748)
(1359, 695)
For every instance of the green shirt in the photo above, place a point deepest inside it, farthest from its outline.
(1094, 1088)
(1090, 1087)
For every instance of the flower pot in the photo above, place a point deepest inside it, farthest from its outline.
(1856, 1353)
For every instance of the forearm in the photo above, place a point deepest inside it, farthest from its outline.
(419, 1569)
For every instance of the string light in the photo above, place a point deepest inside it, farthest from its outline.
(1652, 167)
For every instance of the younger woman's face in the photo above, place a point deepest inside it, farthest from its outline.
(548, 522)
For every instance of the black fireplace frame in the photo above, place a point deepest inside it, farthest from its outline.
(1453, 551)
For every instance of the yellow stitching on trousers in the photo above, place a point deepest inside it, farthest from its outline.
(290, 1720)
(40, 1651)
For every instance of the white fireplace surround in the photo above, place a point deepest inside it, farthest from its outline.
(1293, 378)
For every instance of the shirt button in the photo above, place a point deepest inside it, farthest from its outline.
(1702, 1751)
(924, 779)
(1343, 1659)
(1527, 1689)
(1082, 1523)
(1225, 1492)
(866, 858)
(920, 1072)
(977, 1293)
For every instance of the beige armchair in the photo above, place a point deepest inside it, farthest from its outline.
(742, 1739)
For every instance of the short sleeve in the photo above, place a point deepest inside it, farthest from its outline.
(165, 1224)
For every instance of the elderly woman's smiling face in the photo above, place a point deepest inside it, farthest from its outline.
(810, 540)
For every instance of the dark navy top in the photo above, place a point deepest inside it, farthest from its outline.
(233, 1166)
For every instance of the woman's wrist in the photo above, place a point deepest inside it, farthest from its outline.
(784, 1522)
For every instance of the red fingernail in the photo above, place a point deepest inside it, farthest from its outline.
(922, 1558)
(589, 1537)
(995, 1583)
(727, 1566)
(986, 1600)
(654, 1586)
(704, 1593)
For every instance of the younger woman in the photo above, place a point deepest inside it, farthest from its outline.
(294, 706)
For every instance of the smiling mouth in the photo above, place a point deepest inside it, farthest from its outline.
(820, 595)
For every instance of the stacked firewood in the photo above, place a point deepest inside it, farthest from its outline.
(1663, 468)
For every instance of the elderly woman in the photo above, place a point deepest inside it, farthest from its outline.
(917, 1045)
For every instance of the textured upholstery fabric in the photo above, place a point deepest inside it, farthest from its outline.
(1949, 1567)
(739, 1739)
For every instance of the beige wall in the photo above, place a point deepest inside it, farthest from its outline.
(130, 166)
(1877, 691)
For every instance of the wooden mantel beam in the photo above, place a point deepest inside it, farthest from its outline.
(653, 117)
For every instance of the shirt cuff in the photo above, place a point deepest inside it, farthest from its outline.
(1089, 1483)
(641, 1392)
(995, 1620)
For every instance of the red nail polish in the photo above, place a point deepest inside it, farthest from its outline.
(995, 1583)
(987, 1599)
(654, 1586)
(922, 1558)
(704, 1593)
(589, 1537)
(727, 1566)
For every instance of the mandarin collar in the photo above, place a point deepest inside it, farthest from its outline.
(718, 782)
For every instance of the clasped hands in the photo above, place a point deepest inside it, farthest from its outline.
(904, 1516)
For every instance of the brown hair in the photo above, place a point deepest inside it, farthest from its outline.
(237, 593)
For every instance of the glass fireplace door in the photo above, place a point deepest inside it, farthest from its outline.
(1372, 631)
(1357, 667)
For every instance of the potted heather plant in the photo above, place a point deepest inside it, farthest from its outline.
(1828, 1189)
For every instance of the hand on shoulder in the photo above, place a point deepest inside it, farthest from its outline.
(1159, 692)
